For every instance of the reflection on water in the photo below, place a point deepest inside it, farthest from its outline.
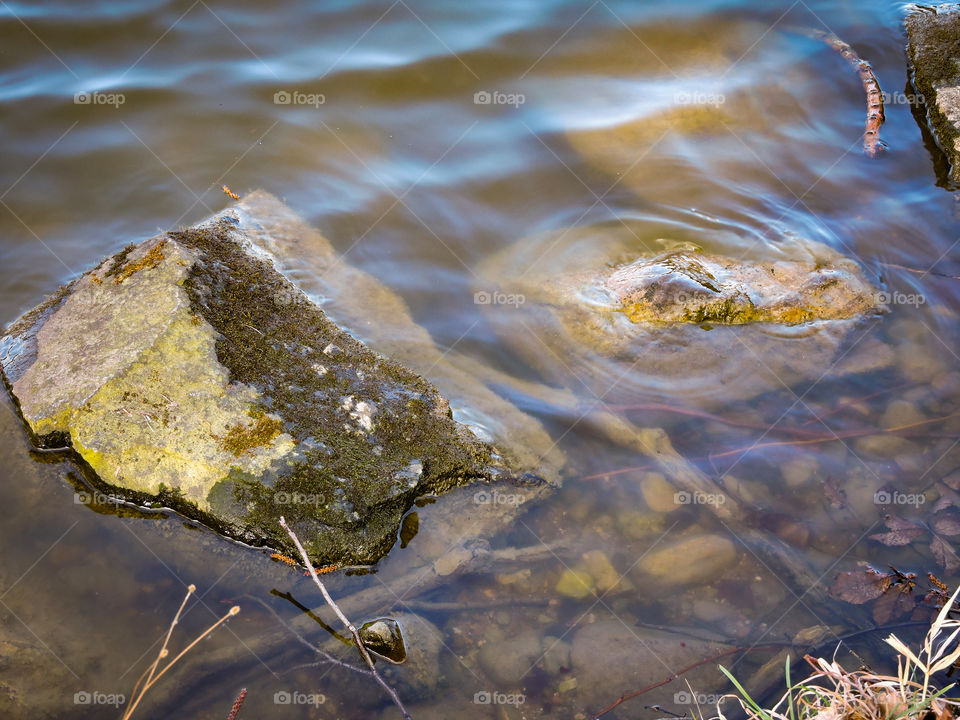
(430, 142)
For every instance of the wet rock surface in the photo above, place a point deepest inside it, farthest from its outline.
(188, 371)
(683, 286)
(933, 50)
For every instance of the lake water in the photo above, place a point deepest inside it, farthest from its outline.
(424, 139)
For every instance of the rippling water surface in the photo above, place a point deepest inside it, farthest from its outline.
(442, 148)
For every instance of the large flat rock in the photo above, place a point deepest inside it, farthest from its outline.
(187, 370)
(933, 50)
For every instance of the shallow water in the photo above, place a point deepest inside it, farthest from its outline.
(718, 123)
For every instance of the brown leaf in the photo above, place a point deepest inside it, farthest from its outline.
(860, 585)
(942, 503)
(947, 523)
(952, 480)
(944, 554)
(902, 532)
(893, 605)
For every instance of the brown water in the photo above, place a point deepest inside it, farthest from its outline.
(710, 122)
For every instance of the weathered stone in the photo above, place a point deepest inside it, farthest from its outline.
(933, 49)
(188, 371)
(575, 583)
(384, 637)
(691, 561)
(658, 493)
(509, 661)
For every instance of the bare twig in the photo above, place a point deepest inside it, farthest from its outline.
(151, 676)
(346, 623)
(237, 704)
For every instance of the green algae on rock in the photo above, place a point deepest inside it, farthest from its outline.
(933, 49)
(188, 369)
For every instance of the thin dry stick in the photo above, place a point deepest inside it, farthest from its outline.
(148, 679)
(346, 623)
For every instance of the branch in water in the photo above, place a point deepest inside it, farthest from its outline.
(343, 618)
(872, 145)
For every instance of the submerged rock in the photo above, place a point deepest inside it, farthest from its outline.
(690, 561)
(187, 370)
(933, 34)
(674, 320)
(384, 637)
(683, 286)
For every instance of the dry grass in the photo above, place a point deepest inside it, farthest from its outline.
(833, 693)
(155, 672)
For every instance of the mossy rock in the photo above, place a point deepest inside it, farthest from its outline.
(187, 370)
(933, 49)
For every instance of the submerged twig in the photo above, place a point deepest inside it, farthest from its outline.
(237, 704)
(346, 623)
(872, 145)
(327, 657)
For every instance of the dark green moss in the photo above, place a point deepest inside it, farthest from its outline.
(934, 53)
(119, 261)
(348, 488)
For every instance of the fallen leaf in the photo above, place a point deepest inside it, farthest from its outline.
(893, 605)
(902, 532)
(944, 554)
(861, 585)
(947, 523)
(942, 503)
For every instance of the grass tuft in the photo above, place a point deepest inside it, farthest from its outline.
(833, 693)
